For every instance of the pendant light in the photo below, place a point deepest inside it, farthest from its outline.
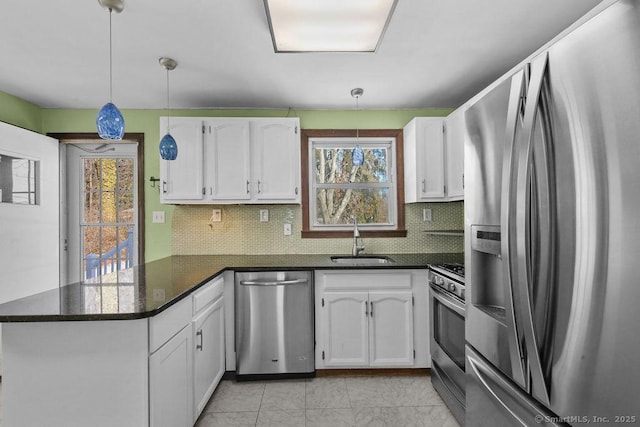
(109, 122)
(357, 154)
(168, 145)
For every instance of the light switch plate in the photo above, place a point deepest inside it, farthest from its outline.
(287, 229)
(216, 215)
(426, 215)
(264, 215)
(158, 217)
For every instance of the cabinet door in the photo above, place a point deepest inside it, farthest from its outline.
(182, 178)
(209, 353)
(454, 136)
(276, 144)
(430, 158)
(391, 328)
(345, 326)
(228, 159)
(171, 382)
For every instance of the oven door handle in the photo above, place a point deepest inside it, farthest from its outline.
(447, 300)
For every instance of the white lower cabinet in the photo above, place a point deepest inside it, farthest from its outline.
(391, 329)
(187, 360)
(367, 318)
(170, 382)
(368, 328)
(209, 353)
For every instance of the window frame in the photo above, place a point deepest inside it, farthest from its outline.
(398, 166)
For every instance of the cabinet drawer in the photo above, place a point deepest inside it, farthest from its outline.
(168, 323)
(364, 279)
(208, 294)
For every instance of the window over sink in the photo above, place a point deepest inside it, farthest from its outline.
(335, 190)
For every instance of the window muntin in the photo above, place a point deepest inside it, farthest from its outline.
(19, 180)
(338, 190)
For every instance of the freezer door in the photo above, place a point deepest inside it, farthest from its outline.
(494, 400)
(578, 198)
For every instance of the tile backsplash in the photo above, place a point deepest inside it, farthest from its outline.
(241, 232)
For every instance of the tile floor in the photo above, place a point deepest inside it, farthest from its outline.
(328, 401)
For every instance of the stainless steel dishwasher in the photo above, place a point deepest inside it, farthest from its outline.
(274, 324)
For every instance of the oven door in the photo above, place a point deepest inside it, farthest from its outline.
(447, 348)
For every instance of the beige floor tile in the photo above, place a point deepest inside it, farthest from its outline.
(228, 419)
(327, 393)
(341, 417)
(283, 395)
(281, 418)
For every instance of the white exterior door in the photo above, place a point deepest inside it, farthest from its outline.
(209, 353)
(346, 340)
(182, 178)
(170, 382)
(228, 159)
(391, 329)
(277, 159)
(102, 212)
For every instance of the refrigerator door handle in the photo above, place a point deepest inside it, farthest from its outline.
(507, 229)
(523, 274)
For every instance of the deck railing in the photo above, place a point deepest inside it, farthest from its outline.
(112, 260)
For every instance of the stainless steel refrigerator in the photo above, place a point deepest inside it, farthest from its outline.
(552, 221)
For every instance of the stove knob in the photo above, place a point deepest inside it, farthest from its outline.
(452, 287)
(462, 294)
(438, 280)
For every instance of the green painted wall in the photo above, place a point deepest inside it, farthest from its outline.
(158, 236)
(18, 112)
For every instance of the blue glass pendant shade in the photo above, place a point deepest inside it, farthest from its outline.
(168, 148)
(357, 156)
(110, 123)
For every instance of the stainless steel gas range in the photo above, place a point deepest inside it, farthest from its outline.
(446, 296)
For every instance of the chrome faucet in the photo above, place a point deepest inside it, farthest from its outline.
(357, 248)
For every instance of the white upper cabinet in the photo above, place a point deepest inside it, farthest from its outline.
(182, 178)
(228, 159)
(276, 144)
(240, 160)
(424, 160)
(454, 140)
(433, 160)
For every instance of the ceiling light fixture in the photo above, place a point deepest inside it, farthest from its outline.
(328, 25)
(357, 154)
(109, 122)
(168, 145)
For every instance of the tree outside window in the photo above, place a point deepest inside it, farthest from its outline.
(338, 191)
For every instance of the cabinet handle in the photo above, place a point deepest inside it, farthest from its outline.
(247, 187)
(371, 311)
(296, 191)
(424, 186)
(164, 187)
(211, 191)
(259, 187)
(366, 309)
(199, 346)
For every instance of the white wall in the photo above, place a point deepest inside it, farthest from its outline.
(29, 245)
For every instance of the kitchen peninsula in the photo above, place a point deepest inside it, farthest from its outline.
(87, 362)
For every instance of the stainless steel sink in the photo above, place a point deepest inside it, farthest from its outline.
(361, 259)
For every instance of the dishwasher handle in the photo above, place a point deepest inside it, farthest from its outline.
(273, 282)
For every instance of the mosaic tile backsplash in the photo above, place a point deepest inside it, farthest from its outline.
(241, 232)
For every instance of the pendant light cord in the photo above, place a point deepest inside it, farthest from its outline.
(168, 104)
(110, 59)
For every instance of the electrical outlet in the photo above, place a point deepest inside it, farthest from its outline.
(216, 216)
(426, 215)
(287, 229)
(158, 217)
(264, 215)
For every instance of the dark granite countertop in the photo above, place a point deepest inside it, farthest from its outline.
(148, 289)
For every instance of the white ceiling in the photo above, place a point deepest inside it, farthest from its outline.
(435, 53)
